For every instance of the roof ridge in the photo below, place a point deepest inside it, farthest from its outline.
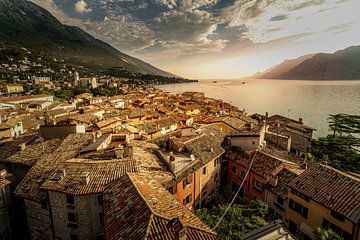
(340, 172)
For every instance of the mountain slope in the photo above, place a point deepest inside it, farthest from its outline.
(283, 67)
(24, 24)
(341, 65)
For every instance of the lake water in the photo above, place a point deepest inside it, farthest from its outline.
(311, 100)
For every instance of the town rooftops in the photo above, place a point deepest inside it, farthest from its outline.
(29, 154)
(331, 188)
(138, 207)
(29, 188)
(29, 98)
(283, 178)
(84, 176)
(264, 165)
(298, 125)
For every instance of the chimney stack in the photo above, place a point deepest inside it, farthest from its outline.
(266, 115)
(300, 120)
(85, 178)
(179, 228)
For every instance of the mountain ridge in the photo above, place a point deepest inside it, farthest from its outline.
(341, 65)
(25, 24)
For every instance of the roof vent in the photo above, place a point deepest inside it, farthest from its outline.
(58, 175)
(192, 157)
(172, 157)
(22, 146)
(328, 197)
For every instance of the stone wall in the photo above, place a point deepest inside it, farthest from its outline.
(87, 210)
(281, 141)
(38, 215)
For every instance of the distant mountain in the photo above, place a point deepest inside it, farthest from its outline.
(341, 65)
(24, 24)
(282, 68)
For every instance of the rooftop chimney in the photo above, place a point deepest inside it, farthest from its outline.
(2, 173)
(179, 228)
(266, 115)
(22, 146)
(328, 197)
(85, 178)
(300, 120)
(273, 180)
(172, 157)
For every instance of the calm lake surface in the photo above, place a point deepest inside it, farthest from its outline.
(311, 100)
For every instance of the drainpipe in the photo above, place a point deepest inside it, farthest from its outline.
(194, 190)
(200, 190)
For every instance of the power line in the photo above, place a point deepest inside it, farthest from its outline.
(237, 192)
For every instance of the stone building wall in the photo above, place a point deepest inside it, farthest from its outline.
(87, 211)
(39, 220)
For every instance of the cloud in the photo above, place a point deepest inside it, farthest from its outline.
(82, 7)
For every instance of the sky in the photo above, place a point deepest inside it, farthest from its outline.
(215, 39)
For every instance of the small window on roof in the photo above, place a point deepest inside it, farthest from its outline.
(127, 213)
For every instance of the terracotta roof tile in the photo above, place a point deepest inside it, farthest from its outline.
(138, 207)
(331, 188)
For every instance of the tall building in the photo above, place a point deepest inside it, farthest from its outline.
(76, 79)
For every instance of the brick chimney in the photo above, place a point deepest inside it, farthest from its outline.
(178, 227)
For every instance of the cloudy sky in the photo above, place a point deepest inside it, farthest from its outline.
(215, 39)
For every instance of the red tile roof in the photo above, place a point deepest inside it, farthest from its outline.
(138, 207)
(263, 165)
(331, 188)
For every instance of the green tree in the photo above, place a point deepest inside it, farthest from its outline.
(326, 234)
(238, 221)
(341, 148)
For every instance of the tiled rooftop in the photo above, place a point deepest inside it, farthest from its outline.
(99, 174)
(138, 207)
(331, 188)
(263, 164)
(29, 187)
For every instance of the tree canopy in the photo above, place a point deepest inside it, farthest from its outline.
(238, 221)
(326, 234)
(341, 149)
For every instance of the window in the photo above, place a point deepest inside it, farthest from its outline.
(101, 219)
(216, 176)
(242, 174)
(258, 185)
(100, 200)
(74, 237)
(297, 207)
(280, 201)
(186, 182)
(173, 189)
(292, 227)
(234, 187)
(187, 199)
(204, 171)
(328, 225)
(71, 217)
(233, 169)
(70, 200)
(127, 213)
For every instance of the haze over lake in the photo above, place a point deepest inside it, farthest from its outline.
(311, 100)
